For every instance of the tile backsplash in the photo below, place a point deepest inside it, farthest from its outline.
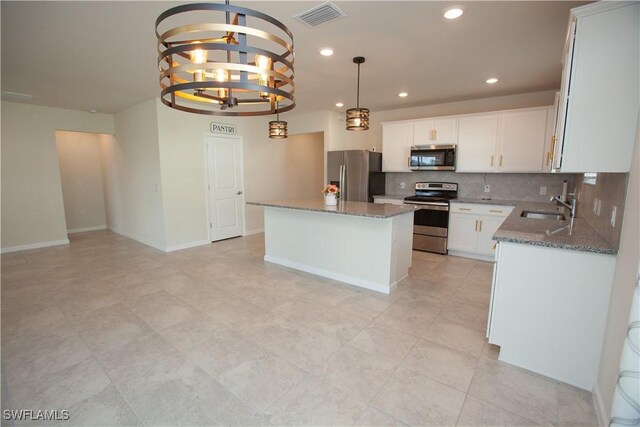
(611, 190)
(503, 186)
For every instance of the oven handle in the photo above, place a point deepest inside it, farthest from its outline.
(429, 206)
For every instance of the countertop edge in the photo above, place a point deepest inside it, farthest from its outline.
(331, 211)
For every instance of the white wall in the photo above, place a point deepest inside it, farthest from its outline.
(622, 291)
(132, 176)
(81, 177)
(304, 165)
(32, 204)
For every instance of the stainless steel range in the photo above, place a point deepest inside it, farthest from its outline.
(431, 220)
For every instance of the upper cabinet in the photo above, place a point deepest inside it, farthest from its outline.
(502, 141)
(521, 141)
(508, 141)
(397, 139)
(442, 131)
(477, 137)
(598, 109)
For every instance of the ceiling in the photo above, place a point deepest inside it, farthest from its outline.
(102, 55)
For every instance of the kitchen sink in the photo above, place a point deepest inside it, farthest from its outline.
(557, 216)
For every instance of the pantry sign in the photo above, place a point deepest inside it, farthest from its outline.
(223, 128)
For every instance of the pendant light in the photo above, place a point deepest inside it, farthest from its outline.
(224, 60)
(278, 128)
(358, 118)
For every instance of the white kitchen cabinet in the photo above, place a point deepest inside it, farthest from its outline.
(597, 120)
(477, 137)
(441, 131)
(397, 139)
(471, 229)
(521, 141)
(550, 135)
(506, 141)
(549, 310)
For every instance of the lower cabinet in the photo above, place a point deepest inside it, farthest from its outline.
(471, 229)
(549, 310)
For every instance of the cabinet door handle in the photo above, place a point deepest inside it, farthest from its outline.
(464, 209)
(409, 161)
(476, 225)
(491, 161)
(495, 210)
(500, 160)
(480, 228)
(432, 135)
(494, 245)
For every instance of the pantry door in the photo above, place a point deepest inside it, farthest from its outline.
(225, 187)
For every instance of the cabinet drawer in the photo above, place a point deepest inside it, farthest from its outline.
(477, 209)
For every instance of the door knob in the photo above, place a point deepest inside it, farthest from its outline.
(238, 192)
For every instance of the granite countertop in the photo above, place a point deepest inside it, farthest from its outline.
(363, 209)
(582, 236)
(486, 201)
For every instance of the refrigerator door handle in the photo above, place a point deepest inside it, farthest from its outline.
(343, 169)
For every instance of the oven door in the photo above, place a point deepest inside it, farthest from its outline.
(430, 224)
(431, 220)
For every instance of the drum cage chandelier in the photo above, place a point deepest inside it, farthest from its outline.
(225, 68)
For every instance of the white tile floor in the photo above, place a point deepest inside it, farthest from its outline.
(121, 334)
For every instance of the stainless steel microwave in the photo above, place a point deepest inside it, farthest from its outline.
(433, 158)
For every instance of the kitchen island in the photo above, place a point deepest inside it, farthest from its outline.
(363, 244)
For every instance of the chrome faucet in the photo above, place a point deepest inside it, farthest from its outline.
(572, 205)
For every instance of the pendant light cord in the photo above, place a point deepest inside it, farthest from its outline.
(358, 89)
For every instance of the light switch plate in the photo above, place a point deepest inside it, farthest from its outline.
(403, 185)
(543, 190)
(487, 188)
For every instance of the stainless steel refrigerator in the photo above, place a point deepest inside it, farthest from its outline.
(358, 174)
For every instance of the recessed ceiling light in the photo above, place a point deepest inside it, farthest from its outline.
(93, 111)
(492, 80)
(339, 104)
(453, 13)
(403, 94)
(327, 51)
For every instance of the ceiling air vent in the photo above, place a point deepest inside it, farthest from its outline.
(320, 14)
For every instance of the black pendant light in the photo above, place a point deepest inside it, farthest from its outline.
(278, 128)
(358, 118)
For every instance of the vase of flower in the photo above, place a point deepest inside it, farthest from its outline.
(331, 194)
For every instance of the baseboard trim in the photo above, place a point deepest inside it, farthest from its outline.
(186, 246)
(332, 275)
(252, 232)
(82, 230)
(471, 255)
(601, 411)
(137, 239)
(34, 246)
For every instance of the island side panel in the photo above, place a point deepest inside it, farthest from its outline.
(353, 249)
(402, 247)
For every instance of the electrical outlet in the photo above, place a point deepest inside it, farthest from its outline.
(543, 191)
(487, 188)
(403, 185)
(614, 210)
